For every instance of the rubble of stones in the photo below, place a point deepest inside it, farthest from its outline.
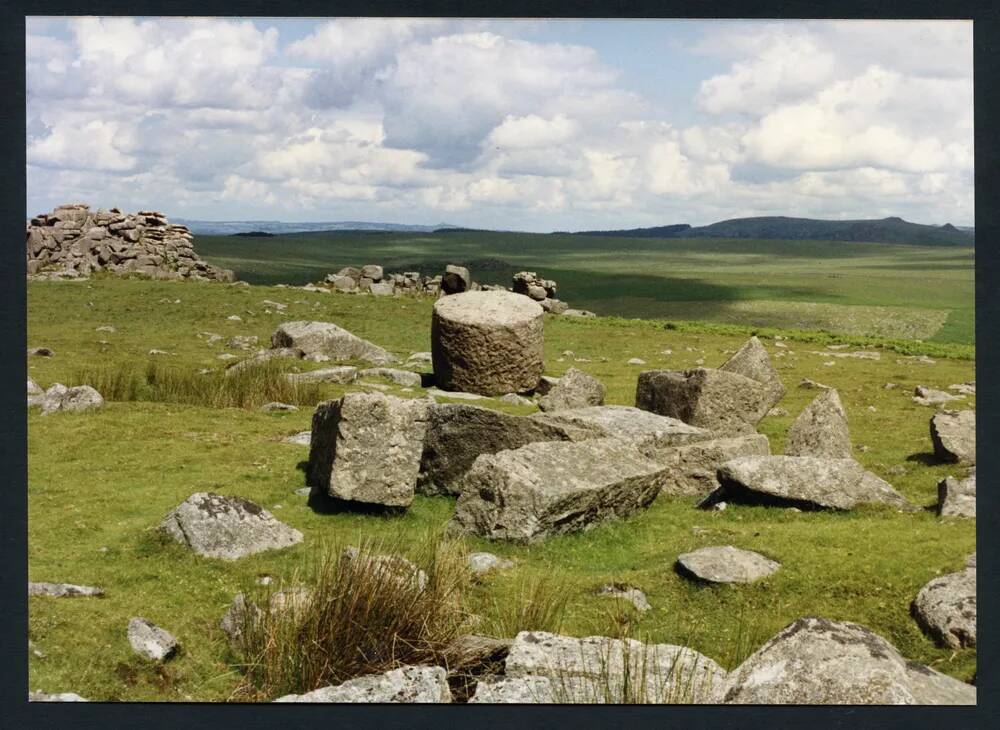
(74, 242)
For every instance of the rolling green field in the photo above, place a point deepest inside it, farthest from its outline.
(911, 292)
(99, 483)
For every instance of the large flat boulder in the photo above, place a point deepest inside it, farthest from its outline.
(326, 338)
(503, 690)
(815, 661)
(407, 684)
(554, 487)
(585, 669)
(74, 400)
(575, 389)
(692, 469)
(945, 609)
(953, 434)
(625, 422)
(727, 403)
(226, 527)
(821, 429)
(365, 447)
(752, 361)
(805, 482)
(957, 498)
(487, 342)
(726, 564)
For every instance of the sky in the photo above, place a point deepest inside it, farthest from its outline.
(532, 125)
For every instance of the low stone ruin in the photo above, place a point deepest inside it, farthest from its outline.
(73, 242)
(541, 290)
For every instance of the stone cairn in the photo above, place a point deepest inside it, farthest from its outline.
(73, 242)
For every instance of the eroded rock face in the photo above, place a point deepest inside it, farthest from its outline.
(692, 469)
(407, 684)
(227, 527)
(575, 389)
(502, 690)
(326, 338)
(945, 609)
(957, 498)
(366, 447)
(471, 657)
(548, 488)
(151, 641)
(953, 434)
(727, 403)
(821, 429)
(586, 669)
(815, 661)
(487, 342)
(77, 399)
(752, 361)
(625, 422)
(805, 482)
(726, 564)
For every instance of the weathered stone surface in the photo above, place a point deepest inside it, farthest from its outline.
(821, 429)
(691, 469)
(628, 593)
(625, 422)
(276, 407)
(487, 342)
(407, 684)
(458, 433)
(727, 403)
(405, 378)
(480, 563)
(456, 279)
(395, 567)
(63, 590)
(554, 487)
(815, 661)
(930, 397)
(302, 438)
(726, 564)
(77, 399)
(752, 361)
(227, 527)
(584, 669)
(953, 434)
(341, 374)
(970, 562)
(366, 447)
(151, 641)
(527, 690)
(554, 306)
(372, 271)
(34, 388)
(328, 339)
(805, 482)
(382, 289)
(945, 608)
(342, 283)
(957, 498)
(39, 696)
(575, 389)
(470, 657)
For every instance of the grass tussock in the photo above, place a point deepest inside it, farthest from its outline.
(249, 386)
(537, 604)
(358, 611)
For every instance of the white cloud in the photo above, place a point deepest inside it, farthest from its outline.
(94, 145)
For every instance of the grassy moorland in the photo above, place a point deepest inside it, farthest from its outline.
(100, 482)
(914, 292)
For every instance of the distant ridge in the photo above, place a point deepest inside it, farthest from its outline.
(229, 228)
(883, 230)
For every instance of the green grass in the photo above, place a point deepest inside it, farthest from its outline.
(99, 483)
(853, 288)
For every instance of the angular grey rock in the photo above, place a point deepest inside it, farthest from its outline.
(366, 447)
(34, 388)
(945, 609)
(595, 666)
(575, 389)
(691, 469)
(63, 590)
(340, 374)
(480, 563)
(726, 564)
(625, 422)
(953, 434)
(578, 313)
(628, 593)
(551, 487)
(226, 527)
(395, 567)
(456, 279)
(930, 397)
(545, 385)
(342, 283)
(39, 696)
(407, 684)
(77, 399)
(275, 407)
(471, 657)
(815, 661)
(554, 306)
(957, 498)
(302, 438)
(151, 641)
(821, 429)
(487, 342)
(501, 690)
(727, 403)
(516, 400)
(373, 272)
(803, 481)
(970, 562)
(329, 339)
(752, 361)
(382, 289)
(405, 378)
(812, 384)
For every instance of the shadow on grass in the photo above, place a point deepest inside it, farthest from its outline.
(927, 458)
(323, 504)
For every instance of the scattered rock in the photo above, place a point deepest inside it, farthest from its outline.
(752, 361)
(419, 357)
(516, 400)
(226, 527)
(458, 395)
(953, 434)
(930, 397)
(807, 383)
(578, 313)
(945, 608)
(302, 438)
(487, 342)
(407, 684)
(63, 590)
(328, 339)
(471, 657)
(628, 593)
(456, 279)
(39, 696)
(480, 563)
(545, 385)
(40, 352)
(821, 429)
(405, 378)
(691, 469)
(105, 328)
(575, 389)
(636, 361)
(395, 567)
(968, 388)
(77, 399)
(726, 564)
(340, 374)
(158, 352)
(631, 424)
(151, 641)
(366, 447)
(957, 498)
(275, 407)
(527, 690)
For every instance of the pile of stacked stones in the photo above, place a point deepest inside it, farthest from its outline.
(373, 279)
(541, 290)
(73, 241)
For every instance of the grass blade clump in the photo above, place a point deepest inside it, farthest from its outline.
(539, 604)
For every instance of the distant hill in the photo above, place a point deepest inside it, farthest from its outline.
(884, 230)
(229, 228)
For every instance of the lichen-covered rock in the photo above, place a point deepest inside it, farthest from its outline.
(726, 564)
(487, 342)
(727, 403)
(752, 361)
(930, 397)
(226, 527)
(366, 447)
(501, 690)
(407, 684)
(63, 590)
(575, 389)
(625, 422)
(405, 378)
(953, 434)
(471, 657)
(480, 563)
(692, 469)
(328, 339)
(554, 487)
(821, 429)
(815, 661)
(805, 482)
(77, 399)
(957, 498)
(456, 279)
(340, 374)
(945, 608)
(151, 641)
(627, 593)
